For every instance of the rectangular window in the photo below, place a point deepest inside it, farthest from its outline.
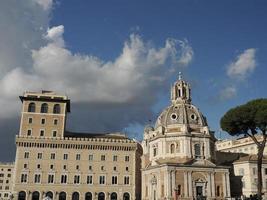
(127, 158)
(101, 180)
(115, 158)
(65, 156)
(53, 156)
(30, 120)
(55, 121)
(64, 178)
(265, 171)
(37, 178)
(26, 155)
(91, 157)
(1, 175)
(126, 180)
(41, 133)
(38, 166)
(29, 132)
(50, 178)
(90, 168)
(6, 195)
(114, 180)
(78, 156)
(51, 166)
(7, 188)
(39, 156)
(103, 157)
(9, 175)
(90, 179)
(43, 121)
(54, 133)
(76, 179)
(23, 178)
(64, 167)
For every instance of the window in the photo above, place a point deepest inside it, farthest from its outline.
(38, 166)
(77, 167)
(89, 179)
(41, 133)
(7, 188)
(6, 195)
(126, 180)
(64, 167)
(90, 168)
(51, 166)
(172, 148)
(54, 133)
(76, 179)
(154, 151)
(65, 156)
(103, 157)
(37, 178)
(101, 180)
(115, 158)
(218, 191)
(44, 108)
(7, 181)
(91, 157)
(50, 178)
(1, 181)
(127, 169)
(29, 132)
(115, 168)
(53, 156)
(23, 178)
(31, 107)
(102, 168)
(43, 121)
(197, 151)
(114, 180)
(265, 171)
(25, 166)
(30, 120)
(64, 178)
(9, 170)
(56, 109)
(9, 175)
(78, 156)
(127, 158)
(55, 121)
(39, 156)
(26, 155)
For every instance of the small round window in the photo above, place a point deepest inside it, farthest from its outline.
(173, 116)
(193, 117)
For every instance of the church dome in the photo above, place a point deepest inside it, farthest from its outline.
(181, 111)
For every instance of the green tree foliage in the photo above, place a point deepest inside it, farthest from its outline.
(250, 120)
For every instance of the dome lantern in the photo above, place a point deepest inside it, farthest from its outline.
(180, 91)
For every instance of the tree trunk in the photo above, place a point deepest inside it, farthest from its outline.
(259, 166)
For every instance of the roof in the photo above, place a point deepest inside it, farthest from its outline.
(251, 158)
(115, 135)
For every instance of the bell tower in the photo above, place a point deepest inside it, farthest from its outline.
(180, 91)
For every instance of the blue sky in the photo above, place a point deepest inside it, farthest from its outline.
(117, 59)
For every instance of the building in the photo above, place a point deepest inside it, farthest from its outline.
(179, 160)
(240, 145)
(52, 162)
(6, 180)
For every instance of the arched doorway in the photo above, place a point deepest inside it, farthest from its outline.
(75, 196)
(126, 196)
(113, 196)
(35, 195)
(22, 195)
(101, 196)
(88, 196)
(49, 194)
(62, 196)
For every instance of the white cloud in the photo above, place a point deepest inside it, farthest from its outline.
(243, 65)
(228, 93)
(54, 35)
(45, 4)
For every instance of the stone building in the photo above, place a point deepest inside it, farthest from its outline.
(6, 180)
(53, 163)
(179, 160)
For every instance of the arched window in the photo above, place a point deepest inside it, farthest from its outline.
(88, 196)
(62, 196)
(218, 191)
(44, 108)
(49, 194)
(75, 196)
(35, 195)
(155, 152)
(22, 195)
(56, 109)
(179, 190)
(31, 107)
(101, 196)
(113, 196)
(197, 151)
(126, 196)
(172, 148)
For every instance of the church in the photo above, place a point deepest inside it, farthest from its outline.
(179, 160)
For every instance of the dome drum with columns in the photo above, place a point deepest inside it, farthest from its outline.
(179, 153)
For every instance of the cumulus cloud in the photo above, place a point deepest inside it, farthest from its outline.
(227, 93)
(45, 4)
(243, 65)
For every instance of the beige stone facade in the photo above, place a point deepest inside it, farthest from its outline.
(6, 180)
(179, 160)
(51, 162)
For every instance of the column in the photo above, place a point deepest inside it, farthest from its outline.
(168, 184)
(173, 182)
(190, 186)
(185, 185)
(209, 185)
(227, 184)
(224, 184)
(212, 185)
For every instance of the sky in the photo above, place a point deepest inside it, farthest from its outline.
(117, 59)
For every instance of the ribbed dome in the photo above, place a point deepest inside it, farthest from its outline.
(181, 114)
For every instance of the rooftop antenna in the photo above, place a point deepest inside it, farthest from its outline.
(180, 76)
